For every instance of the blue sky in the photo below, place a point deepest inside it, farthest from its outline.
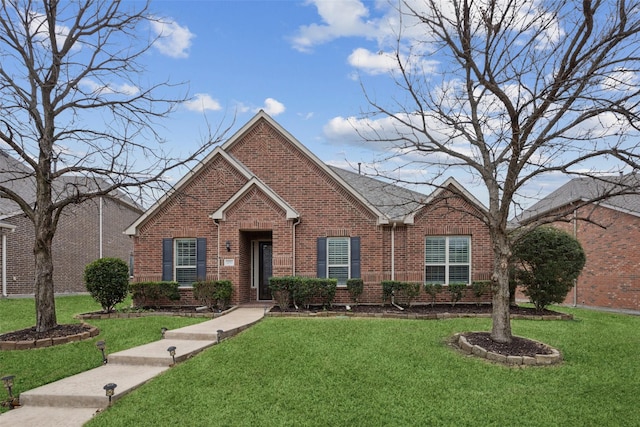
(241, 56)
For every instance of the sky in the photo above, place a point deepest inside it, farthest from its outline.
(293, 59)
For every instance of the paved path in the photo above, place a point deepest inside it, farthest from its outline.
(74, 400)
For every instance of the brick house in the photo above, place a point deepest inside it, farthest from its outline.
(85, 232)
(263, 205)
(609, 232)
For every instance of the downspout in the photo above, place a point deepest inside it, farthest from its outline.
(4, 265)
(575, 236)
(100, 226)
(393, 251)
(215, 221)
(393, 263)
(293, 251)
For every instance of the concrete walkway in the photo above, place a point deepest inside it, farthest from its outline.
(74, 400)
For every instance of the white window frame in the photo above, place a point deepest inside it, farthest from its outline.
(340, 265)
(177, 267)
(447, 263)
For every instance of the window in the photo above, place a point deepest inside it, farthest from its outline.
(338, 259)
(185, 261)
(448, 259)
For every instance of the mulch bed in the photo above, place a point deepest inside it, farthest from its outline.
(30, 334)
(517, 347)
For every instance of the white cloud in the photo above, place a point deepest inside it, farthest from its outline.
(202, 102)
(173, 40)
(340, 19)
(386, 62)
(108, 88)
(273, 107)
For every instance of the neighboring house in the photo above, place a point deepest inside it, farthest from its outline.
(609, 232)
(263, 205)
(86, 232)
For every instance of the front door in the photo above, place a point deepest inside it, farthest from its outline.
(265, 269)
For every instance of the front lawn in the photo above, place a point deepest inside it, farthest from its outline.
(374, 372)
(33, 368)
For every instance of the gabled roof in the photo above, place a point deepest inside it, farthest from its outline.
(390, 203)
(261, 115)
(255, 182)
(615, 192)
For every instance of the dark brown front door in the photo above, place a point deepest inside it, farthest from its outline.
(265, 269)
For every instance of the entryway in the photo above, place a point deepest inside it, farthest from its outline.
(263, 255)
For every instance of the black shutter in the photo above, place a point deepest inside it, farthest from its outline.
(322, 257)
(167, 260)
(355, 258)
(201, 258)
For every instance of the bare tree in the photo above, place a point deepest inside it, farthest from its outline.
(521, 90)
(67, 65)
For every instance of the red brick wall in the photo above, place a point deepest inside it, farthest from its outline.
(75, 245)
(326, 210)
(611, 275)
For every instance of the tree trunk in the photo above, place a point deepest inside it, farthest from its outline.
(501, 328)
(42, 251)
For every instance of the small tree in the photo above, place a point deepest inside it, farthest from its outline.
(107, 280)
(547, 262)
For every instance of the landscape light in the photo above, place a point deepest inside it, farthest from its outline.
(172, 353)
(110, 390)
(101, 346)
(163, 330)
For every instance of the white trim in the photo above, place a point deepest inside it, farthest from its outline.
(220, 214)
(11, 229)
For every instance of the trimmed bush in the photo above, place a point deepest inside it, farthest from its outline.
(433, 289)
(401, 291)
(280, 290)
(411, 291)
(355, 288)
(326, 290)
(479, 288)
(547, 261)
(456, 290)
(152, 292)
(215, 294)
(107, 280)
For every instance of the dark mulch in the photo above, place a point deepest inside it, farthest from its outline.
(517, 347)
(420, 309)
(30, 334)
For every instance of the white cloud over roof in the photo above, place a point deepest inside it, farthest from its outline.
(202, 102)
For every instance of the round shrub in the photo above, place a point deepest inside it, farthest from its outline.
(107, 280)
(548, 260)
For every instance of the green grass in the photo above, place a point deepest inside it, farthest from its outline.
(34, 368)
(357, 372)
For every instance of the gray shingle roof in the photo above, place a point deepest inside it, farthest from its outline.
(394, 201)
(18, 177)
(618, 192)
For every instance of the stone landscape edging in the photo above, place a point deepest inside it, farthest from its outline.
(416, 316)
(91, 331)
(461, 342)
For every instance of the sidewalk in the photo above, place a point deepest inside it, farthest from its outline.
(74, 400)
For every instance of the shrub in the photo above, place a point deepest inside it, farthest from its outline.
(411, 291)
(280, 290)
(433, 289)
(150, 293)
(479, 288)
(355, 288)
(302, 291)
(326, 290)
(456, 290)
(388, 289)
(213, 293)
(107, 280)
(547, 261)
